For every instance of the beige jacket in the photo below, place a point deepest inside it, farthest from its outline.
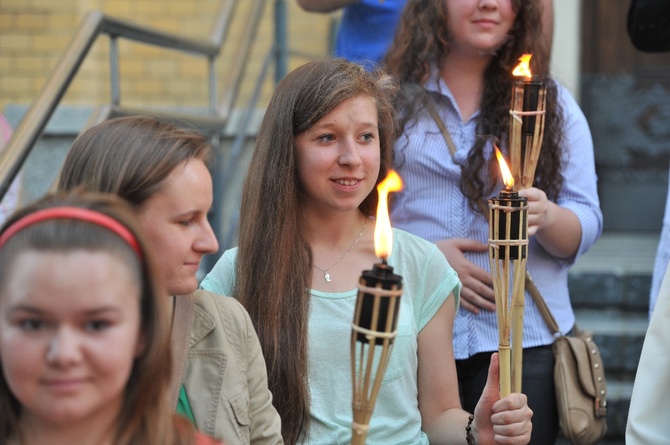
(225, 375)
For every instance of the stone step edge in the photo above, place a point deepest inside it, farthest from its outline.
(612, 322)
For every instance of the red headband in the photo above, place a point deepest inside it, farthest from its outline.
(76, 213)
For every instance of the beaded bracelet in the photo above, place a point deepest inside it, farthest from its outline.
(469, 439)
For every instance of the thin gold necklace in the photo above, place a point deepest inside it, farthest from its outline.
(326, 275)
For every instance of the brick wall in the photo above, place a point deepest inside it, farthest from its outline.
(35, 33)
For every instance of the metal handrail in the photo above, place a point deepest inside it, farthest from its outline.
(95, 24)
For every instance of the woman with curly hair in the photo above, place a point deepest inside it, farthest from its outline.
(457, 57)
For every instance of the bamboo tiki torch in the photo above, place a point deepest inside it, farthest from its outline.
(375, 319)
(508, 247)
(527, 115)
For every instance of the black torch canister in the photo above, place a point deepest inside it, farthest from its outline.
(508, 224)
(379, 311)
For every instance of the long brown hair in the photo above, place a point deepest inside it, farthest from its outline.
(273, 261)
(422, 42)
(130, 157)
(145, 416)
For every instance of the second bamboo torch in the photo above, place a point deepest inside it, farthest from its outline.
(508, 246)
(375, 319)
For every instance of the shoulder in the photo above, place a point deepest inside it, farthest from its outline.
(226, 308)
(567, 102)
(415, 255)
(427, 276)
(407, 242)
(230, 319)
(222, 276)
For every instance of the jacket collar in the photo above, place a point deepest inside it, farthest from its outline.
(203, 324)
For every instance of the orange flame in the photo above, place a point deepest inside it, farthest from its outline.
(508, 179)
(523, 68)
(383, 233)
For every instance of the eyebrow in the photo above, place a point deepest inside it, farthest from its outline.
(24, 308)
(327, 125)
(35, 310)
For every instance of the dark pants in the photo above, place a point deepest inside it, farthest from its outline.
(537, 383)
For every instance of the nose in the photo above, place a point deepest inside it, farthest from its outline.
(64, 349)
(488, 4)
(349, 154)
(206, 241)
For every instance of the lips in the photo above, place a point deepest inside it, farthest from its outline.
(65, 384)
(485, 22)
(347, 182)
(193, 264)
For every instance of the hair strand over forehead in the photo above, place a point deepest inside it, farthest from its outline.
(130, 156)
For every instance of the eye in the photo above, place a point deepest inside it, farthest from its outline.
(31, 324)
(326, 137)
(367, 137)
(186, 222)
(97, 325)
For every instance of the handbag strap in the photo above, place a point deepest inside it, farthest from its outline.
(530, 284)
(179, 339)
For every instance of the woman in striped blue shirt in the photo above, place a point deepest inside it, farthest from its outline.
(459, 56)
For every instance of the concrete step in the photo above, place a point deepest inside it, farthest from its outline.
(616, 272)
(609, 289)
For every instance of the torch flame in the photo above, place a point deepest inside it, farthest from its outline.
(383, 233)
(508, 179)
(523, 68)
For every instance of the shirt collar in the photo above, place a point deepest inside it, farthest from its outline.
(436, 85)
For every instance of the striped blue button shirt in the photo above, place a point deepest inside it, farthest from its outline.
(432, 206)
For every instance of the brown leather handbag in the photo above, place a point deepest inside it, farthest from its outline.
(581, 390)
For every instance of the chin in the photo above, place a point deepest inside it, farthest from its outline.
(185, 287)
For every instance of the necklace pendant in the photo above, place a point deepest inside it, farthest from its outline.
(326, 276)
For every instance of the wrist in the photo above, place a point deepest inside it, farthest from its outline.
(469, 437)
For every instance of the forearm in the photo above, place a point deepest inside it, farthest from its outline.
(447, 428)
(562, 232)
(325, 5)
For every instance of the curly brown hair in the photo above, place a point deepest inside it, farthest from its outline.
(422, 42)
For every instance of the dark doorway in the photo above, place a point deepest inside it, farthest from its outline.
(626, 99)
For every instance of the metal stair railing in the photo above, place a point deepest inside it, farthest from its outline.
(96, 24)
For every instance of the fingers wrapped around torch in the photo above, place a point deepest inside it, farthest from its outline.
(498, 420)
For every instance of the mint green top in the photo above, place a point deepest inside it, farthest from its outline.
(184, 407)
(427, 282)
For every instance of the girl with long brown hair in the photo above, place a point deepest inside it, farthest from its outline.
(306, 234)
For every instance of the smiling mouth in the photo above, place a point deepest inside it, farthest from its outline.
(347, 182)
(65, 384)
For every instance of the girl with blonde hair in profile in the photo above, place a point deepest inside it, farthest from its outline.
(84, 329)
(220, 380)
